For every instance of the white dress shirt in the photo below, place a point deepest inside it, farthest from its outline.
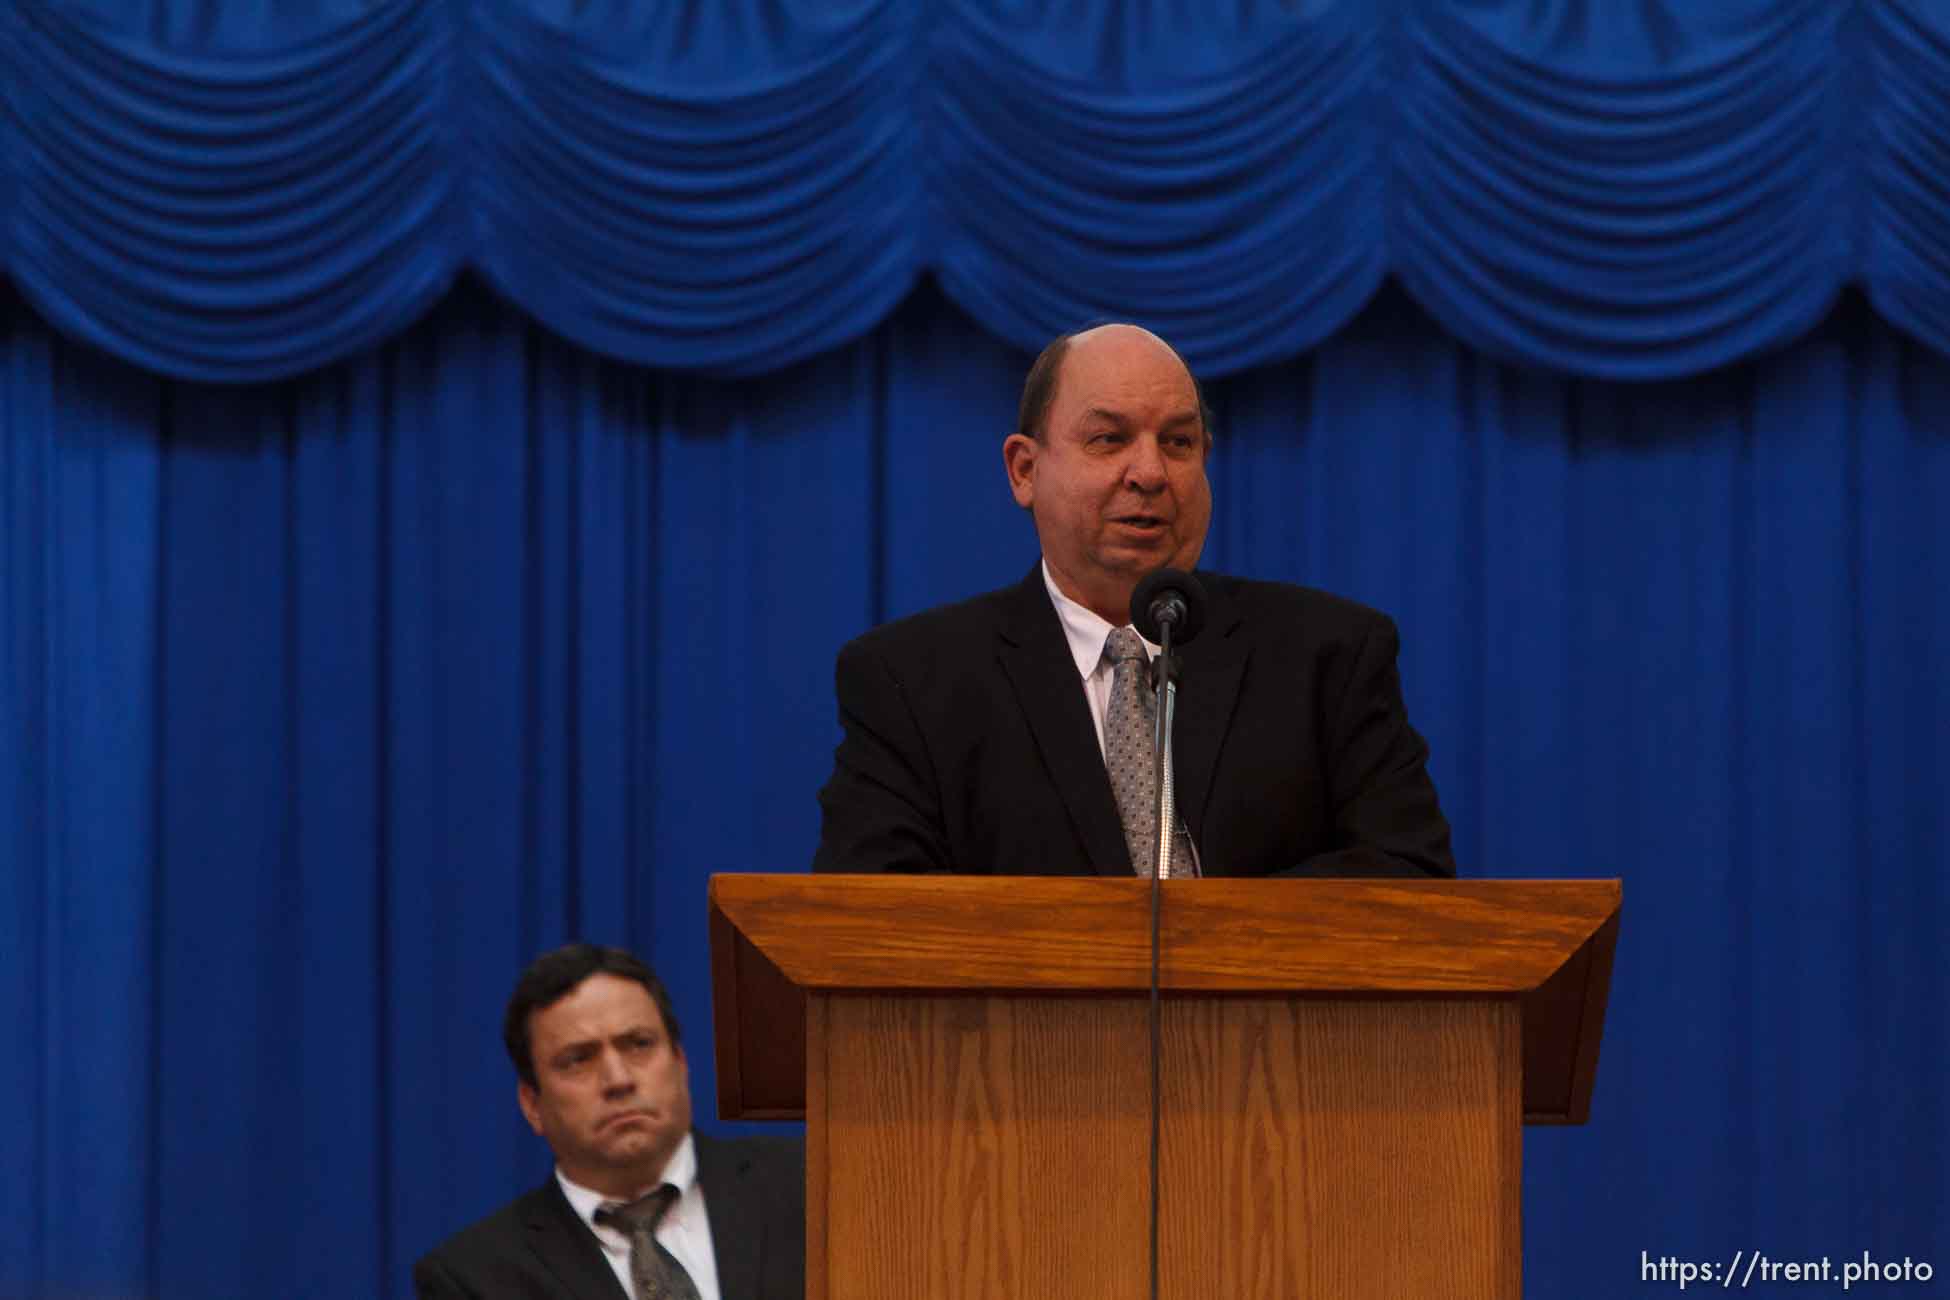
(1086, 631)
(685, 1230)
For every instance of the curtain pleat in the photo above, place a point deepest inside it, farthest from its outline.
(443, 444)
(329, 703)
(1619, 191)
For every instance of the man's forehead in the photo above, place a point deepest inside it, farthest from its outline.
(1113, 415)
(1114, 355)
(1123, 343)
(593, 1010)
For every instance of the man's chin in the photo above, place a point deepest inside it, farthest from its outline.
(628, 1143)
(1133, 561)
(638, 1160)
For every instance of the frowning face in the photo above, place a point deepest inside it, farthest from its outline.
(612, 1093)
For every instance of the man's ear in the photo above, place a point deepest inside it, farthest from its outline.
(531, 1109)
(1019, 452)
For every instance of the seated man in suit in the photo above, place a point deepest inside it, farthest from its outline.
(977, 735)
(639, 1204)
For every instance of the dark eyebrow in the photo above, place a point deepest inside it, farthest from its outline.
(644, 1029)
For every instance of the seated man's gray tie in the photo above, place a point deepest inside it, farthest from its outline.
(654, 1272)
(1130, 753)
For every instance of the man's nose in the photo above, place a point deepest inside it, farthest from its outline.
(1145, 469)
(615, 1078)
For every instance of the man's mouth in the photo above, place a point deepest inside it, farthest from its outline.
(626, 1117)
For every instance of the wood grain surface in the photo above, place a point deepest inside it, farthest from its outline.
(1346, 1149)
(995, 1147)
(1047, 934)
(984, 1147)
(774, 939)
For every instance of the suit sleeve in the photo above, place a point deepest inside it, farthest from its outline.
(1386, 817)
(432, 1281)
(881, 808)
(783, 1272)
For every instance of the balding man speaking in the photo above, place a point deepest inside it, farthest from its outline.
(977, 734)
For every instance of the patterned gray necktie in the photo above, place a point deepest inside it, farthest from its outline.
(655, 1273)
(1130, 750)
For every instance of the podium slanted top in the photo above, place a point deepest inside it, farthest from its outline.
(774, 938)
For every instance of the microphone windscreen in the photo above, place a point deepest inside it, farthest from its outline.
(1152, 596)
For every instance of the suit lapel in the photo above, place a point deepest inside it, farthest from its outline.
(566, 1246)
(1037, 658)
(1208, 691)
(737, 1228)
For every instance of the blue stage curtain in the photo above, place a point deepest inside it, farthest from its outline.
(225, 190)
(329, 703)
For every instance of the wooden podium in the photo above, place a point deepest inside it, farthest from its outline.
(1346, 1069)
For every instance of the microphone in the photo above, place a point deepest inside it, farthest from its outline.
(1168, 598)
(1168, 609)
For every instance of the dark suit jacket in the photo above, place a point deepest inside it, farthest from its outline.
(754, 1193)
(969, 746)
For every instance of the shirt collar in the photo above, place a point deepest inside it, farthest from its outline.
(680, 1169)
(1085, 629)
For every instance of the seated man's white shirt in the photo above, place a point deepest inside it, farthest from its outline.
(685, 1231)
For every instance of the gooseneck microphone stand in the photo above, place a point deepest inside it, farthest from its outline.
(1165, 670)
(1168, 607)
(1167, 698)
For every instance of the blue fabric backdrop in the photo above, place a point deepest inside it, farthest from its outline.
(329, 703)
(326, 702)
(243, 190)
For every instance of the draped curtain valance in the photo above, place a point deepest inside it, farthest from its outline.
(1634, 190)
